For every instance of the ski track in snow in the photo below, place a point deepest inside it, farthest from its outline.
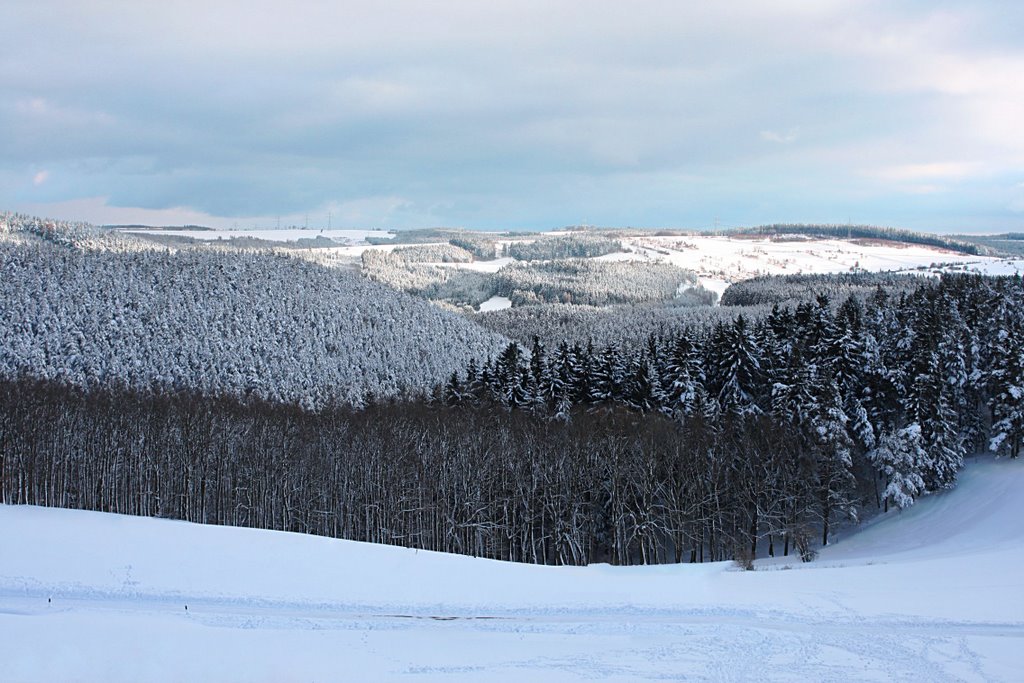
(609, 646)
(87, 597)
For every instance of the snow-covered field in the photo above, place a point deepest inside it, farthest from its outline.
(931, 594)
(719, 261)
(496, 303)
(990, 267)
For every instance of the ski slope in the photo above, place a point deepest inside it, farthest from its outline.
(933, 593)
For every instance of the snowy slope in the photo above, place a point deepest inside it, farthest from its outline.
(717, 260)
(933, 593)
(721, 260)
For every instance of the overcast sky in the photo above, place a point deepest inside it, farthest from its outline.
(515, 114)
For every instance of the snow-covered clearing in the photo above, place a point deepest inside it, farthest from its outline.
(933, 593)
(496, 303)
(492, 266)
(989, 267)
(720, 261)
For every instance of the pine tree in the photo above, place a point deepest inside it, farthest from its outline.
(645, 392)
(827, 425)
(539, 386)
(684, 373)
(900, 458)
(1007, 403)
(512, 378)
(453, 391)
(737, 368)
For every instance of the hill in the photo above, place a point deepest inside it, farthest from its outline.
(927, 594)
(235, 322)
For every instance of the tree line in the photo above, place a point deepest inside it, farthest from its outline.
(610, 484)
(870, 232)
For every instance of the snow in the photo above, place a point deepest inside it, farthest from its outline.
(728, 259)
(492, 266)
(715, 285)
(621, 256)
(931, 593)
(282, 235)
(989, 267)
(496, 303)
(720, 261)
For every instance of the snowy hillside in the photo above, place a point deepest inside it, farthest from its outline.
(21, 229)
(233, 322)
(720, 260)
(716, 261)
(928, 594)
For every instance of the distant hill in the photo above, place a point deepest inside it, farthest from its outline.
(20, 228)
(139, 226)
(232, 322)
(870, 232)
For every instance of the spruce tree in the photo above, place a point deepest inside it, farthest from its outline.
(900, 459)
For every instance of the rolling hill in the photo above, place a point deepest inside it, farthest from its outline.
(235, 322)
(930, 593)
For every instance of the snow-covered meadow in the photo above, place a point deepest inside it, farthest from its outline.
(720, 261)
(932, 593)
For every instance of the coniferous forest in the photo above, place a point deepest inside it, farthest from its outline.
(747, 436)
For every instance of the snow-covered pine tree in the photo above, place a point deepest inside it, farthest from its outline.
(737, 367)
(684, 374)
(835, 478)
(1007, 382)
(644, 389)
(900, 460)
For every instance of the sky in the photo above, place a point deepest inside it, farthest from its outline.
(515, 114)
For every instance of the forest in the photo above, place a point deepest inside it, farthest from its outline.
(222, 322)
(873, 232)
(582, 245)
(744, 438)
(909, 383)
(590, 282)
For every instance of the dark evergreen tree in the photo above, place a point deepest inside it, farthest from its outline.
(737, 368)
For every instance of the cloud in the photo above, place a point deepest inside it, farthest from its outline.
(781, 138)
(947, 170)
(361, 212)
(96, 210)
(522, 113)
